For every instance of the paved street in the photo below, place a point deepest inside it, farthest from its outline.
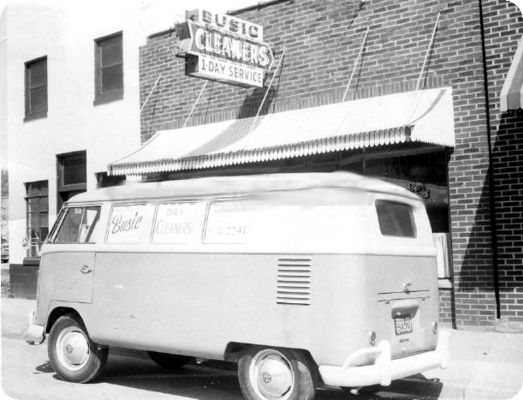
(27, 374)
(485, 365)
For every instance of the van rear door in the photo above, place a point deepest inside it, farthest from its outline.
(408, 306)
(406, 277)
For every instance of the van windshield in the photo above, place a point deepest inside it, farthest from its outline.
(78, 225)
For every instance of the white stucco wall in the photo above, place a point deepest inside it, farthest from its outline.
(65, 31)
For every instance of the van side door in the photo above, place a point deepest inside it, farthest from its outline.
(69, 258)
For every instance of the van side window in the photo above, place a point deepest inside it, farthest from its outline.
(77, 225)
(228, 222)
(178, 222)
(127, 223)
(395, 219)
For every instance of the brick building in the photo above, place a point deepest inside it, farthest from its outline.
(454, 55)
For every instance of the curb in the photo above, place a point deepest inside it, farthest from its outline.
(506, 326)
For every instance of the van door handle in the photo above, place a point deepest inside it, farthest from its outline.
(85, 269)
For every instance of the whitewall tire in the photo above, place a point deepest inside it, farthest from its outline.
(275, 374)
(73, 355)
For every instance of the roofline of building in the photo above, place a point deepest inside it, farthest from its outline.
(161, 33)
(259, 5)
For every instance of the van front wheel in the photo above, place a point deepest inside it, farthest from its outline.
(73, 355)
(271, 374)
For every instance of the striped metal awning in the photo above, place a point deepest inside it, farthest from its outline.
(420, 116)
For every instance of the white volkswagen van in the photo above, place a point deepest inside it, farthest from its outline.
(303, 279)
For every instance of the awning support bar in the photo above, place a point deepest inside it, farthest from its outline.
(355, 65)
(428, 51)
(267, 91)
(150, 93)
(194, 105)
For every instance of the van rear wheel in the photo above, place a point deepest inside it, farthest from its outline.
(170, 362)
(275, 374)
(73, 355)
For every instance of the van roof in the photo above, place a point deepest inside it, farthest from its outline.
(220, 185)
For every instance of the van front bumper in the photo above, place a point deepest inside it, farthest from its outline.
(34, 334)
(385, 369)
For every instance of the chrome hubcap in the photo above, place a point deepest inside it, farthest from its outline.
(271, 375)
(72, 348)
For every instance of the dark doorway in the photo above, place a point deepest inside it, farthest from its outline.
(422, 173)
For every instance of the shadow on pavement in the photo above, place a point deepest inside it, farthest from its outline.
(45, 367)
(197, 382)
(217, 381)
(416, 387)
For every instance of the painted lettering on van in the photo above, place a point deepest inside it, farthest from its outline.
(169, 228)
(119, 224)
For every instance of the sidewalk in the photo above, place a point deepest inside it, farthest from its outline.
(483, 365)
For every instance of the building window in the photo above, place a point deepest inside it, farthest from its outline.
(108, 58)
(71, 176)
(36, 89)
(37, 216)
(104, 180)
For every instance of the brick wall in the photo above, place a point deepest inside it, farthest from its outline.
(508, 172)
(503, 28)
(322, 39)
(446, 306)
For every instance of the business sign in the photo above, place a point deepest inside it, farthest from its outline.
(126, 224)
(179, 222)
(224, 48)
(221, 70)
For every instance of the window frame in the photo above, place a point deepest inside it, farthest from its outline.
(29, 113)
(57, 224)
(146, 231)
(28, 212)
(62, 188)
(61, 218)
(101, 96)
(212, 202)
(411, 218)
(205, 205)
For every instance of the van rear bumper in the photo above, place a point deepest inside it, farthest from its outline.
(384, 369)
(34, 334)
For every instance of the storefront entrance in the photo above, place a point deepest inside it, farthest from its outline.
(424, 174)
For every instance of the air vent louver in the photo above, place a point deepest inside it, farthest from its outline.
(294, 281)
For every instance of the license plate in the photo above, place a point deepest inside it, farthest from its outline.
(403, 325)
